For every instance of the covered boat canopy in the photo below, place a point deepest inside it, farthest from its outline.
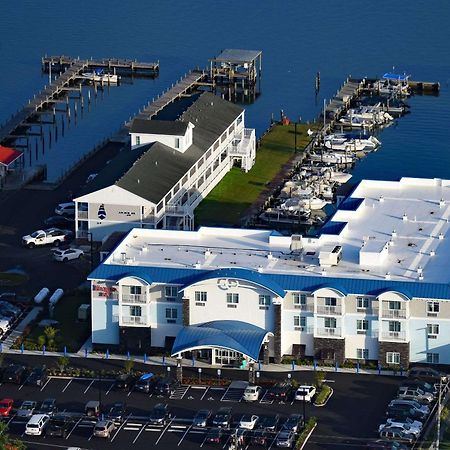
(396, 76)
(233, 335)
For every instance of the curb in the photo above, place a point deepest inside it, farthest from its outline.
(326, 400)
(309, 435)
(67, 377)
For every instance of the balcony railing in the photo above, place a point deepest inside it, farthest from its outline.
(304, 307)
(394, 313)
(330, 310)
(242, 144)
(134, 298)
(368, 311)
(328, 332)
(134, 320)
(103, 294)
(393, 335)
(82, 215)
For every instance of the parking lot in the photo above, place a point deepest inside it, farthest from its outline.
(349, 420)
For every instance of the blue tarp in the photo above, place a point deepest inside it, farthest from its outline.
(395, 76)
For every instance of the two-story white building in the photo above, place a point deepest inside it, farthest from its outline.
(171, 166)
(374, 285)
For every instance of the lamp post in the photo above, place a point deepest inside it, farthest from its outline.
(439, 414)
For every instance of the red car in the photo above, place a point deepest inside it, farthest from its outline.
(6, 406)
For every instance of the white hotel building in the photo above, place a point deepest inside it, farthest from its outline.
(374, 285)
(171, 166)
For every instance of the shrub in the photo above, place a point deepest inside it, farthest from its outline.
(310, 424)
(319, 376)
(323, 395)
(348, 364)
(40, 340)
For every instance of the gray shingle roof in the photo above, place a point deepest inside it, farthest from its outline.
(169, 127)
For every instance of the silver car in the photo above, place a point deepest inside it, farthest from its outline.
(104, 428)
(26, 409)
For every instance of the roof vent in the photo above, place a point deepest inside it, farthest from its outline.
(421, 277)
(260, 269)
(405, 218)
(381, 199)
(388, 276)
(394, 234)
(432, 252)
(197, 265)
(441, 203)
(420, 270)
(441, 236)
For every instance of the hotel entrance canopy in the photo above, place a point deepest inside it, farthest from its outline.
(232, 335)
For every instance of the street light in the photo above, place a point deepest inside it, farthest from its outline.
(439, 414)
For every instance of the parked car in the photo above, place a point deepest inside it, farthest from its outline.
(37, 377)
(214, 435)
(415, 393)
(14, 373)
(7, 308)
(104, 428)
(117, 412)
(202, 418)
(26, 409)
(412, 404)
(397, 434)
(222, 419)
(6, 406)
(160, 415)
(166, 386)
(425, 386)
(407, 421)
(305, 393)
(93, 408)
(383, 444)
(427, 374)
(145, 383)
(248, 421)
(285, 438)
(68, 254)
(65, 209)
(269, 423)
(124, 382)
(294, 423)
(403, 426)
(60, 221)
(279, 391)
(60, 426)
(48, 406)
(37, 425)
(402, 411)
(5, 326)
(252, 393)
(261, 437)
(53, 236)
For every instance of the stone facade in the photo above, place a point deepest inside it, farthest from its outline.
(277, 334)
(398, 347)
(135, 340)
(186, 318)
(265, 354)
(328, 349)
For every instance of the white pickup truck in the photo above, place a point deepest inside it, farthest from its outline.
(43, 237)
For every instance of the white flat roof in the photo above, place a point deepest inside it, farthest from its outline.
(412, 215)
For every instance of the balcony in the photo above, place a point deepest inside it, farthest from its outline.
(304, 307)
(368, 311)
(177, 210)
(328, 332)
(134, 320)
(329, 310)
(82, 215)
(397, 336)
(394, 313)
(104, 294)
(134, 298)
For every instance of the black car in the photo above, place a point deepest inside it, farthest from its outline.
(269, 423)
(406, 411)
(166, 386)
(214, 435)
(14, 373)
(60, 426)
(38, 376)
(145, 383)
(294, 423)
(160, 415)
(124, 382)
(202, 418)
(117, 412)
(48, 407)
(427, 374)
(222, 419)
(280, 391)
(261, 437)
(60, 222)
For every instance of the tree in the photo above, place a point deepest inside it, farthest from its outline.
(128, 366)
(6, 442)
(50, 334)
(318, 378)
(63, 362)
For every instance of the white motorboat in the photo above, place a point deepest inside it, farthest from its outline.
(332, 158)
(356, 122)
(340, 177)
(348, 141)
(313, 203)
(100, 77)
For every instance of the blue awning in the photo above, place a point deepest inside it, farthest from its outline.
(395, 76)
(233, 335)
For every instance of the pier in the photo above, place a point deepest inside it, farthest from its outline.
(350, 90)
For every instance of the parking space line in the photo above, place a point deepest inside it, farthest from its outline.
(228, 440)
(207, 389)
(140, 432)
(67, 385)
(224, 395)
(68, 436)
(165, 429)
(203, 443)
(273, 442)
(184, 435)
(48, 381)
(121, 426)
(109, 390)
(11, 418)
(90, 384)
(21, 386)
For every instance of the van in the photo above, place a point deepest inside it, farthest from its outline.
(37, 424)
(65, 209)
(92, 408)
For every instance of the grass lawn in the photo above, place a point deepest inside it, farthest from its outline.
(237, 191)
(12, 279)
(71, 332)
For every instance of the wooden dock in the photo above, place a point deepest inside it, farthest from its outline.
(181, 88)
(341, 101)
(111, 64)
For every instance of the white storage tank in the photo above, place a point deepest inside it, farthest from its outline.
(41, 295)
(56, 296)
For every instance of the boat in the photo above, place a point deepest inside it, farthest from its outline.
(99, 76)
(340, 177)
(393, 85)
(356, 122)
(354, 145)
(332, 158)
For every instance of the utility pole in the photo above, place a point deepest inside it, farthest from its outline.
(439, 414)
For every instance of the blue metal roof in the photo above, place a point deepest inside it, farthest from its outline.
(142, 275)
(234, 335)
(305, 283)
(240, 274)
(333, 286)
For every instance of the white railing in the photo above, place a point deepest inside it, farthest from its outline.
(82, 214)
(133, 320)
(394, 313)
(328, 332)
(394, 335)
(330, 310)
(304, 307)
(134, 298)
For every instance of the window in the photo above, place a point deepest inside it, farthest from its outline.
(233, 298)
(135, 311)
(433, 358)
(177, 142)
(299, 322)
(393, 357)
(239, 120)
(394, 305)
(264, 300)
(135, 290)
(171, 292)
(394, 326)
(329, 301)
(201, 296)
(432, 330)
(299, 299)
(362, 353)
(330, 322)
(432, 308)
(138, 140)
(362, 326)
(362, 302)
(171, 314)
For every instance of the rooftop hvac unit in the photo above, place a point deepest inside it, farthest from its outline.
(296, 242)
(83, 312)
(330, 256)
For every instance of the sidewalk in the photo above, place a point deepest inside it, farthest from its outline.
(18, 330)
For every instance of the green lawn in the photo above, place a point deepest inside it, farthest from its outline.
(238, 190)
(12, 279)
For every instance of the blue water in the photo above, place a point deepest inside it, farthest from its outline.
(298, 38)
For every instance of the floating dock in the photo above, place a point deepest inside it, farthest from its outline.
(350, 90)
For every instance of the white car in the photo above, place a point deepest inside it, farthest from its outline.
(27, 409)
(411, 422)
(67, 254)
(412, 404)
(65, 209)
(305, 393)
(248, 421)
(415, 393)
(252, 393)
(407, 427)
(4, 326)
